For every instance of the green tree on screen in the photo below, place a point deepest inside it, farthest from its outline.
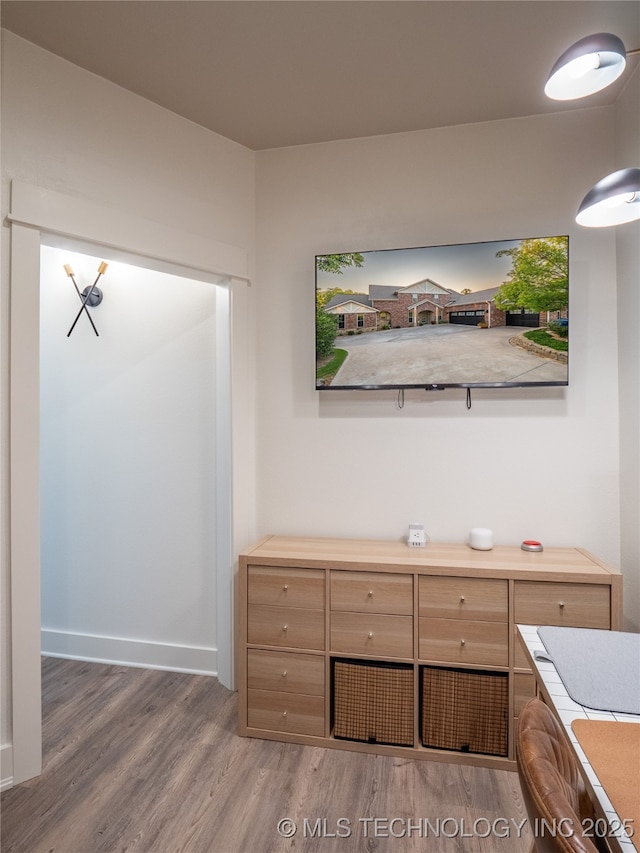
(335, 263)
(539, 276)
(326, 324)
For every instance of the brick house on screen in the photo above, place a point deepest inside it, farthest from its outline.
(415, 305)
(387, 307)
(469, 309)
(472, 308)
(354, 312)
(426, 302)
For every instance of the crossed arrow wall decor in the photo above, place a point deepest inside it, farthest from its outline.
(91, 296)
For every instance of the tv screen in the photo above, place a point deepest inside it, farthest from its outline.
(492, 314)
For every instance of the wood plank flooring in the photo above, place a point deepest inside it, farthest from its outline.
(142, 761)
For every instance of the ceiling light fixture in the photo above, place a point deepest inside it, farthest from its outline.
(588, 66)
(612, 201)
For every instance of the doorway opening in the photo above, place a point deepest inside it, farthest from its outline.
(127, 465)
(40, 216)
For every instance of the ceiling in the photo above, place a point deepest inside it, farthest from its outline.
(272, 73)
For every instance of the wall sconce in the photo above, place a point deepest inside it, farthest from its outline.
(589, 65)
(90, 296)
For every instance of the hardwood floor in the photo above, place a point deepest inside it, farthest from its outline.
(149, 762)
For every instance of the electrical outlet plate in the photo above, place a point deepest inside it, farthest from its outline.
(417, 537)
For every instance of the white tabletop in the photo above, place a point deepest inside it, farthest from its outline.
(567, 711)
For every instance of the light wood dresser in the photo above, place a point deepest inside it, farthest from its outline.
(337, 635)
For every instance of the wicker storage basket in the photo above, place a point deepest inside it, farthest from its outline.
(465, 710)
(373, 702)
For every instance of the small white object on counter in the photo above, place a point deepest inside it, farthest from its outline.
(481, 538)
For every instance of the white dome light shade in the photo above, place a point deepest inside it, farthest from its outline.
(588, 66)
(612, 201)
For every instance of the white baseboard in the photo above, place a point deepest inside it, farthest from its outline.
(6, 767)
(125, 652)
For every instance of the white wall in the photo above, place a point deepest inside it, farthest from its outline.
(128, 478)
(540, 464)
(70, 131)
(628, 274)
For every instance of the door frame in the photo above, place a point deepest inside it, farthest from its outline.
(40, 215)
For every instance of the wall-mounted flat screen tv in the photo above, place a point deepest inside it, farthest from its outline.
(486, 315)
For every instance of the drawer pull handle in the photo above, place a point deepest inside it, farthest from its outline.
(285, 587)
(462, 642)
(284, 713)
(285, 627)
(371, 635)
(462, 599)
(370, 593)
(561, 604)
(284, 674)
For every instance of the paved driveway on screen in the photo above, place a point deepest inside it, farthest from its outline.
(440, 354)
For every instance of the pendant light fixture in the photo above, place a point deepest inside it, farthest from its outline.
(588, 66)
(612, 201)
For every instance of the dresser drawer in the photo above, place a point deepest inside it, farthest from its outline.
(293, 627)
(286, 672)
(459, 641)
(464, 598)
(569, 604)
(372, 634)
(286, 587)
(274, 711)
(365, 592)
